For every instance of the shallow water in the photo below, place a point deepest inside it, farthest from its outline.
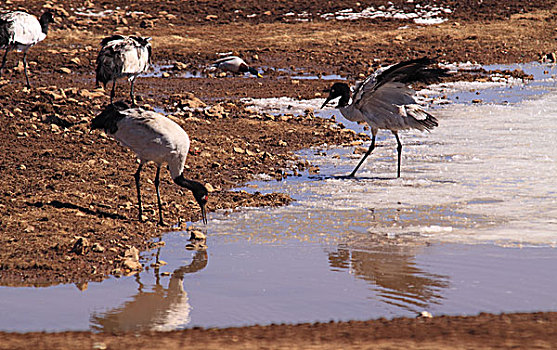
(157, 70)
(469, 227)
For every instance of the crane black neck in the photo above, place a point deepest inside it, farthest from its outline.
(194, 186)
(344, 95)
(45, 21)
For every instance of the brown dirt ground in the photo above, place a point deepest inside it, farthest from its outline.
(59, 182)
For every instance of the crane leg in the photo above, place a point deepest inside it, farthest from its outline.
(25, 69)
(113, 92)
(399, 152)
(371, 147)
(137, 186)
(4, 60)
(157, 183)
(131, 92)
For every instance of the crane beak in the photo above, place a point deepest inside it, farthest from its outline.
(259, 75)
(326, 101)
(204, 214)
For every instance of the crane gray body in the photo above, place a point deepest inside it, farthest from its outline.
(153, 137)
(123, 56)
(385, 100)
(20, 31)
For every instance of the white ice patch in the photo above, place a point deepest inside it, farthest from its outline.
(90, 13)
(282, 105)
(422, 15)
(486, 174)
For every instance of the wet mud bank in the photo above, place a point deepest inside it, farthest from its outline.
(485, 331)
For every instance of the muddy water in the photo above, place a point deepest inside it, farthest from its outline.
(469, 227)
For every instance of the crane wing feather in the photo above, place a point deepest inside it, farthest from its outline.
(391, 84)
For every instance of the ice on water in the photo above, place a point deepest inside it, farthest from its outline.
(486, 174)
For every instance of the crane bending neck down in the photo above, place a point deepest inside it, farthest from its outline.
(153, 137)
(199, 192)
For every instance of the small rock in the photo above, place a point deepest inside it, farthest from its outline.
(191, 101)
(99, 346)
(282, 143)
(75, 60)
(211, 17)
(59, 10)
(90, 94)
(65, 70)
(424, 314)
(180, 66)
(132, 253)
(147, 23)
(132, 264)
(360, 150)
(19, 68)
(82, 286)
(97, 248)
(285, 118)
(55, 95)
(550, 57)
(312, 170)
(216, 111)
(81, 246)
(166, 75)
(239, 150)
(209, 187)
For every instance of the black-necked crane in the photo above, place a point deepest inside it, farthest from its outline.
(20, 31)
(153, 137)
(385, 100)
(123, 56)
(235, 65)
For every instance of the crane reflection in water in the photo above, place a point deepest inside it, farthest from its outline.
(394, 276)
(159, 309)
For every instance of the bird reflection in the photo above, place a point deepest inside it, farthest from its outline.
(159, 310)
(393, 273)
